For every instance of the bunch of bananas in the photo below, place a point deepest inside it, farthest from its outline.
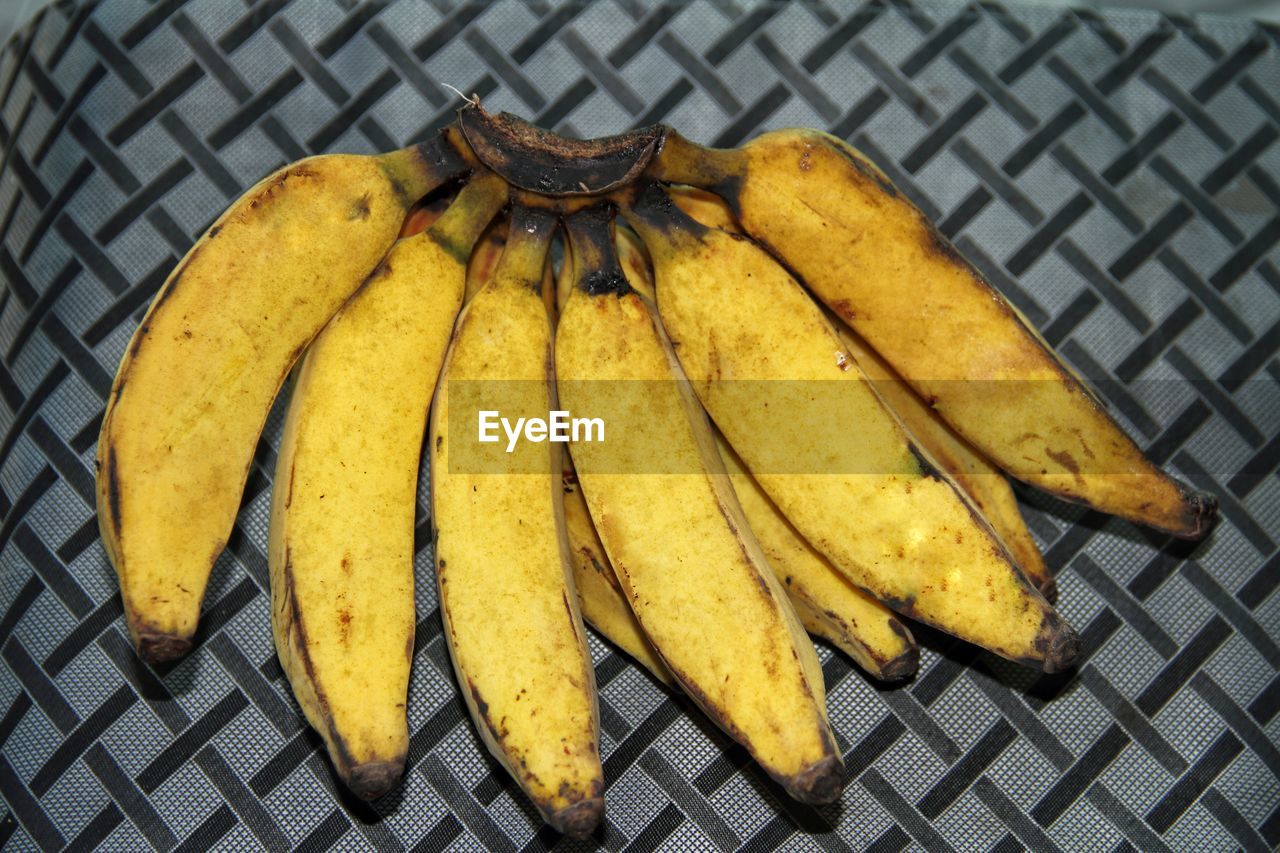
(852, 469)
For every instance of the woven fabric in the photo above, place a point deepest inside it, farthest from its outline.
(1118, 176)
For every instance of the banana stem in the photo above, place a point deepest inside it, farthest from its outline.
(528, 240)
(461, 225)
(419, 169)
(657, 219)
(681, 161)
(595, 260)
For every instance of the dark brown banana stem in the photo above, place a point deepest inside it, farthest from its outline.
(595, 260)
(648, 209)
(549, 164)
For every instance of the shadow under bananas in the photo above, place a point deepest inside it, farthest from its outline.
(956, 659)
(734, 759)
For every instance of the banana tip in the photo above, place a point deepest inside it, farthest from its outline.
(579, 820)
(820, 783)
(1203, 515)
(902, 667)
(1062, 648)
(162, 648)
(370, 781)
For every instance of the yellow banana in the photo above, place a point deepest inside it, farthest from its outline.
(506, 593)
(875, 260)
(827, 603)
(789, 399)
(604, 604)
(693, 573)
(198, 378)
(973, 472)
(706, 207)
(342, 513)
(484, 261)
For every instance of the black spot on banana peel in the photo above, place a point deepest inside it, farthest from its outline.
(537, 160)
(1201, 516)
(113, 491)
(650, 203)
(927, 468)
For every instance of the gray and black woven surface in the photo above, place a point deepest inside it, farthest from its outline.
(1118, 176)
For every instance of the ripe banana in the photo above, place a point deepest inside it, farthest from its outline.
(981, 481)
(789, 399)
(691, 569)
(506, 592)
(604, 603)
(484, 262)
(829, 606)
(835, 219)
(827, 603)
(199, 376)
(342, 512)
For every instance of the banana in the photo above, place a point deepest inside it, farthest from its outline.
(866, 251)
(706, 207)
(506, 592)
(829, 606)
(693, 573)
(827, 603)
(199, 376)
(971, 471)
(342, 512)
(789, 399)
(484, 261)
(604, 604)
(985, 485)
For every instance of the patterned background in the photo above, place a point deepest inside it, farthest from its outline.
(1117, 175)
